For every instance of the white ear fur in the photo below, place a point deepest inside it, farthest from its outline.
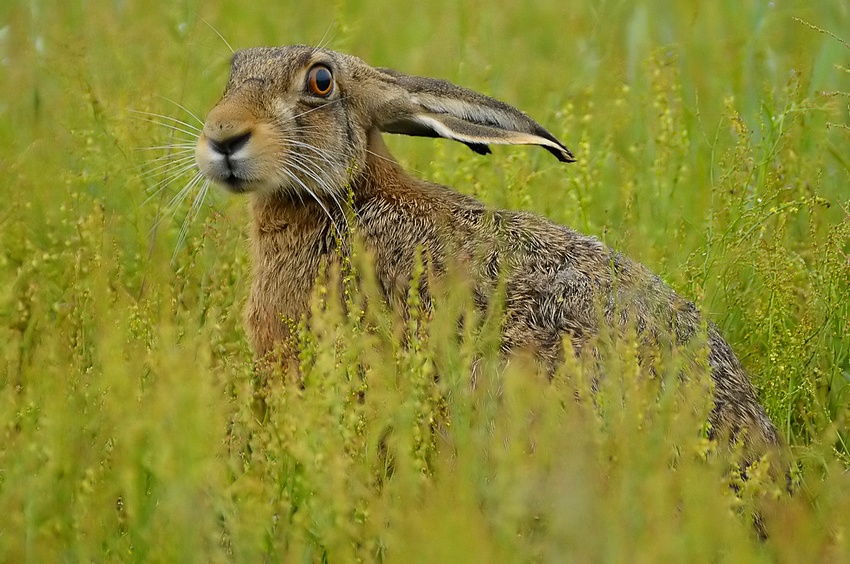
(436, 108)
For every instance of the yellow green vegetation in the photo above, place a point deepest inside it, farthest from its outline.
(713, 145)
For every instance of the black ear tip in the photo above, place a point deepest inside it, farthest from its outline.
(479, 148)
(562, 154)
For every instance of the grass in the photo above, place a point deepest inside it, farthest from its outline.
(712, 143)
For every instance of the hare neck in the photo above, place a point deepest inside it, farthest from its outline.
(273, 212)
(383, 176)
(385, 180)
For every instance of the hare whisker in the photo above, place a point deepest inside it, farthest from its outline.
(157, 188)
(184, 108)
(175, 201)
(322, 42)
(319, 170)
(308, 169)
(163, 163)
(171, 208)
(167, 118)
(191, 134)
(315, 172)
(322, 154)
(187, 146)
(298, 126)
(326, 105)
(316, 198)
(319, 158)
(191, 215)
(220, 36)
(380, 156)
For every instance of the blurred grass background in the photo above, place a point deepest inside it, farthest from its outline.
(713, 146)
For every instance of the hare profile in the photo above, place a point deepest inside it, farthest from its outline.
(299, 128)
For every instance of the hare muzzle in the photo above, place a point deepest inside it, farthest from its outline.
(236, 149)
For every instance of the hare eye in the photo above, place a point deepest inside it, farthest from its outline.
(320, 81)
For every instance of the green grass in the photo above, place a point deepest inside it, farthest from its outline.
(713, 146)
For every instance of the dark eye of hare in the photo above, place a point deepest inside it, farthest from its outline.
(320, 81)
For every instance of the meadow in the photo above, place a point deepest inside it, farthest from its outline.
(713, 145)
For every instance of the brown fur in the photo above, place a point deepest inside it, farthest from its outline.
(557, 281)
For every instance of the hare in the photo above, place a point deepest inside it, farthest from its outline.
(299, 128)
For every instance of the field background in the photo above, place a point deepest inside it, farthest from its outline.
(713, 146)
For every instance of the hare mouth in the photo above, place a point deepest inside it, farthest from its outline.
(234, 184)
(232, 173)
(227, 176)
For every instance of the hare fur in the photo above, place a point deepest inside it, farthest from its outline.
(299, 127)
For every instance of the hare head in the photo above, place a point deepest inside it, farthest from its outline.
(299, 118)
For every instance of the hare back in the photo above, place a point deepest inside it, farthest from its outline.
(556, 283)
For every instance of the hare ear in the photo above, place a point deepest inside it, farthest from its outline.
(436, 108)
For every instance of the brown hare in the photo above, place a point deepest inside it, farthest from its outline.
(299, 128)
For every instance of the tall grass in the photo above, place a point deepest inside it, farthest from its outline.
(712, 143)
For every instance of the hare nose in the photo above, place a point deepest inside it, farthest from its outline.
(229, 145)
(229, 126)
